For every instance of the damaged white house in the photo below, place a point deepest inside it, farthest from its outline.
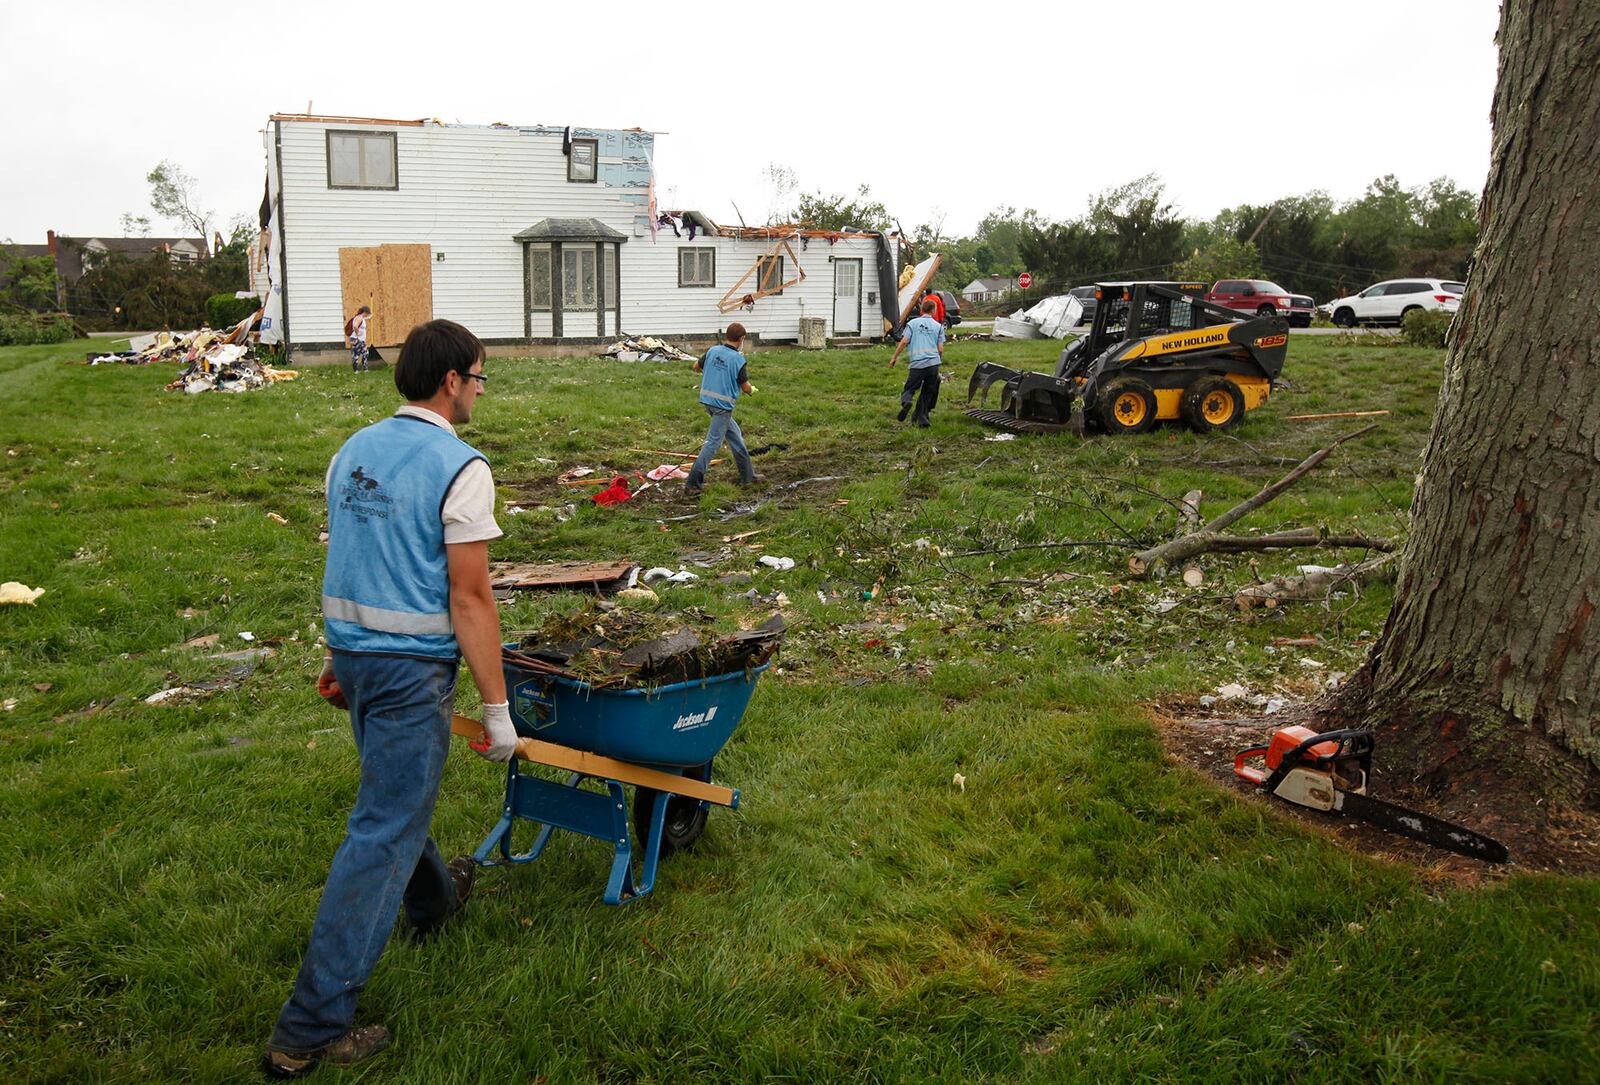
(531, 235)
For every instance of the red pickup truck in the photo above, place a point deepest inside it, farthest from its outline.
(1258, 297)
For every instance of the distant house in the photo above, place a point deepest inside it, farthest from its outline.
(75, 255)
(987, 289)
(532, 234)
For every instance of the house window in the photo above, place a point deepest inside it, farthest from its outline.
(697, 267)
(577, 277)
(539, 277)
(583, 159)
(769, 274)
(362, 160)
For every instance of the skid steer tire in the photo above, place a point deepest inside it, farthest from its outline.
(1127, 405)
(1212, 404)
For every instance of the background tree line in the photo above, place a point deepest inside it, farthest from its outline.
(1311, 244)
(134, 291)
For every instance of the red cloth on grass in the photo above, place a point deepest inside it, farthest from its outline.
(614, 494)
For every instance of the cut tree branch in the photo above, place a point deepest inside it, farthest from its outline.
(1313, 586)
(1198, 542)
(1189, 507)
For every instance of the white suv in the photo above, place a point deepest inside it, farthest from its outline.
(1389, 302)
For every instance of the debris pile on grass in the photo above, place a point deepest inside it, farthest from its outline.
(646, 348)
(183, 347)
(228, 368)
(609, 646)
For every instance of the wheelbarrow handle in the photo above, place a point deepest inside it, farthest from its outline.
(604, 768)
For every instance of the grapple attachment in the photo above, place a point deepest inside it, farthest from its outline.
(985, 375)
(1029, 402)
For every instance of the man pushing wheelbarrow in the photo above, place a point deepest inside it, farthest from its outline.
(405, 596)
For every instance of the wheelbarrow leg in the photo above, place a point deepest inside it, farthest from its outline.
(500, 835)
(621, 887)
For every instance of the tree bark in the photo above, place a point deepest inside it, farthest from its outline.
(1489, 664)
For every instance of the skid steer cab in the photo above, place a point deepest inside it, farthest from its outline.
(1156, 352)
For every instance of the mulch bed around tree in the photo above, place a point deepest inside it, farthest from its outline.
(1562, 841)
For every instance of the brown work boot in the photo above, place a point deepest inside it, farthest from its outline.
(355, 1045)
(463, 871)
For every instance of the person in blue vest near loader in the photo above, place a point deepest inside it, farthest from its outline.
(405, 595)
(724, 376)
(925, 337)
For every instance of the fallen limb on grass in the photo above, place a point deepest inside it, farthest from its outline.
(1199, 542)
(1312, 586)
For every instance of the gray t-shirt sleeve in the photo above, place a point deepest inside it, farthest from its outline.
(468, 512)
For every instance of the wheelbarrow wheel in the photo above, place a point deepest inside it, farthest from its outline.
(685, 820)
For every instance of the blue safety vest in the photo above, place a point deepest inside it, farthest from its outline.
(719, 383)
(386, 588)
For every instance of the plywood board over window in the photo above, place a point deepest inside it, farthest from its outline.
(396, 281)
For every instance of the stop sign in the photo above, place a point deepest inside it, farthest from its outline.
(1024, 280)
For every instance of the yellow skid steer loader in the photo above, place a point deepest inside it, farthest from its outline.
(1155, 352)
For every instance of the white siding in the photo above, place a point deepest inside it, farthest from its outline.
(463, 191)
(466, 191)
(654, 304)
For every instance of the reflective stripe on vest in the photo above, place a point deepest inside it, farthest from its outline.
(386, 621)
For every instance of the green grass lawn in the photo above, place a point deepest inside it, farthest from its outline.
(1082, 911)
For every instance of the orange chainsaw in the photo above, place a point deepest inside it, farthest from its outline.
(1329, 771)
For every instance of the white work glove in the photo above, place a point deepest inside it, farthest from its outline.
(499, 740)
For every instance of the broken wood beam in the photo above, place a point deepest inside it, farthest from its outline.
(1312, 586)
(601, 575)
(1336, 414)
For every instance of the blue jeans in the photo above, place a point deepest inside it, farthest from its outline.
(722, 427)
(400, 712)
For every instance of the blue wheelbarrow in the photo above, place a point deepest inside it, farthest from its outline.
(661, 740)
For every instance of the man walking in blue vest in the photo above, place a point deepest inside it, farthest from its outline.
(724, 377)
(405, 595)
(925, 337)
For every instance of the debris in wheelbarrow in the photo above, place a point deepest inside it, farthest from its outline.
(573, 710)
(623, 648)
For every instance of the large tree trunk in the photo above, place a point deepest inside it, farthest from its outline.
(1489, 665)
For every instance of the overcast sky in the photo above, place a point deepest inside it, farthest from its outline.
(944, 110)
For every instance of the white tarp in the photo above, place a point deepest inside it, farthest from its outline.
(1057, 316)
(1014, 328)
(268, 281)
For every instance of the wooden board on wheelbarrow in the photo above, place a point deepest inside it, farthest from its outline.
(590, 764)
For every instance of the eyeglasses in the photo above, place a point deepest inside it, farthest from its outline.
(481, 378)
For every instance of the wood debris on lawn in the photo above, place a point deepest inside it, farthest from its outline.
(603, 577)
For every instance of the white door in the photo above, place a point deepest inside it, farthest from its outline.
(1368, 304)
(847, 297)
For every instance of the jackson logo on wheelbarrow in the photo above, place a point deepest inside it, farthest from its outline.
(535, 705)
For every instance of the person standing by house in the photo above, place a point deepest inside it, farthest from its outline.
(924, 336)
(405, 595)
(724, 375)
(931, 294)
(355, 329)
